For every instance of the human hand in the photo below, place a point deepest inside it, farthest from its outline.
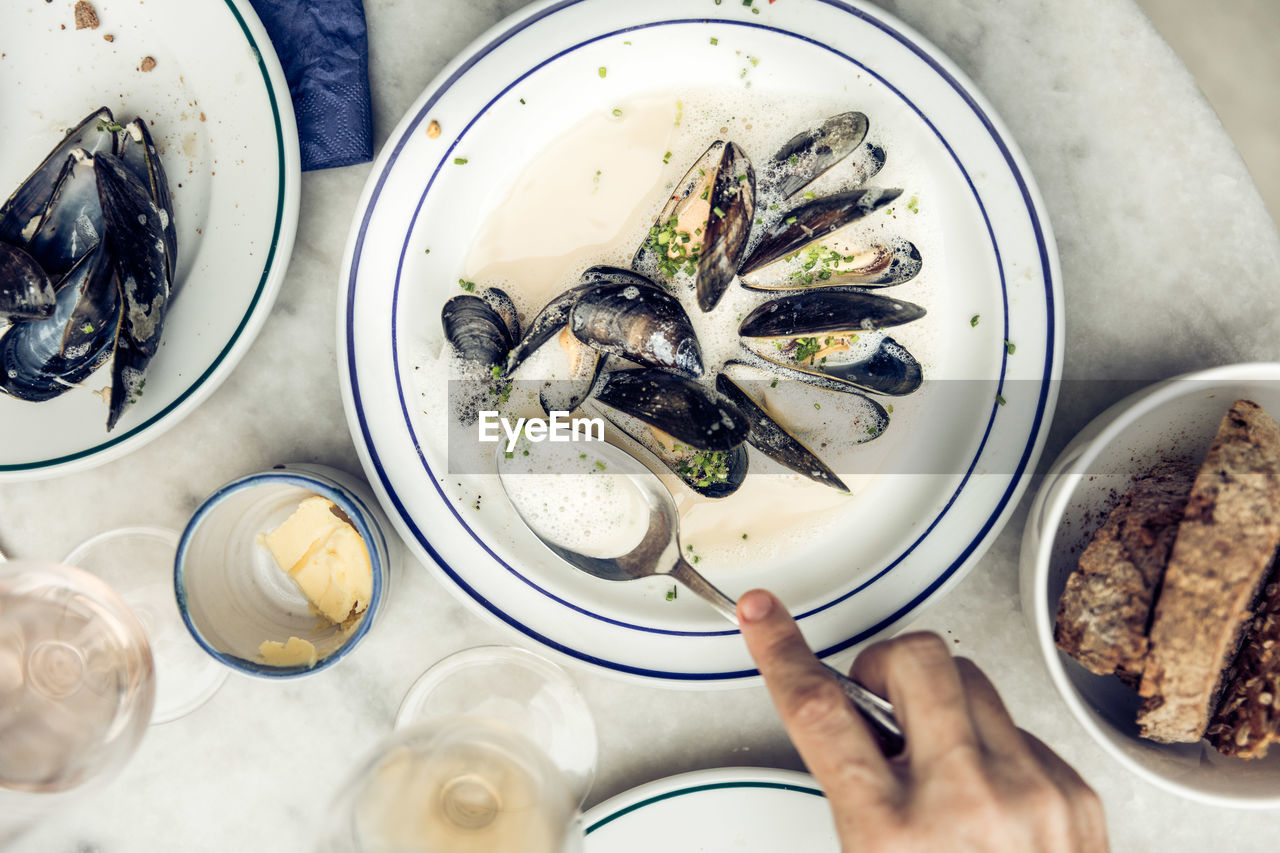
(968, 780)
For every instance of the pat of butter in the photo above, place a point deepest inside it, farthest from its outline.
(295, 652)
(326, 558)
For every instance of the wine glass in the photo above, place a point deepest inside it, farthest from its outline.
(137, 562)
(494, 751)
(77, 687)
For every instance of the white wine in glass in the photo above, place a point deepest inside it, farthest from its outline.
(494, 752)
(76, 688)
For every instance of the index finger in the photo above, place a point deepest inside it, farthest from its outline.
(828, 732)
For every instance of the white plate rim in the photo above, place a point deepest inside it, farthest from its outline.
(284, 229)
(967, 556)
(630, 802)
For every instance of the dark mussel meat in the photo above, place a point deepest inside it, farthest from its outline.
(880, 264)
(140, 260)
(637, 321)
(815, 336)
(813, 221)
(812, 152)
(704, 227)
(695, 431)
(21, 213)
(138, 152)
(478, 330)
(25, 290)
(771, 439)
(40, 359)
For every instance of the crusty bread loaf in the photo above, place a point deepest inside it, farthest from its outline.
(1105, 610)
(1223, 553)
(1248, 717)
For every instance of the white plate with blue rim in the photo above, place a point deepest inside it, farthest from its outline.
(569, 88)
(746, 809)
(217, 105)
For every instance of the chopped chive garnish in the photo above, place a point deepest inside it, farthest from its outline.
(468, 286)
(791, 220)
(666, 158)
(671, 594)
(718, 212)
(1009, 347)
(715, 40)
(603, 71)
(744, 536)
(1000, 399)
(617, 111)
(522, 100)
(426, 251)
(973, 321)
(459, 161)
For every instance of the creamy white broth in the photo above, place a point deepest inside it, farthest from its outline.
(590, 197)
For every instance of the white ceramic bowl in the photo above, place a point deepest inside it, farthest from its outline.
(1173, 419)
(230, 592)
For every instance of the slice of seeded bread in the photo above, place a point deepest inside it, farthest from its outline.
(1223, 553)
(1248, 717)
(1105, 610)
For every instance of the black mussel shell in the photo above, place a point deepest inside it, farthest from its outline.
(811, 152)
(773, 440)
(813, 221)
(137, 150)
(891, 370)
(689, 412)
(728, 225)
(32, 195)
(25, 291)
(72, 223)
(639, 322)
(826, 311)
(135, 237)
(40, 359)
(604, 273)
(878, 265)
(476, 330)
(554, 316)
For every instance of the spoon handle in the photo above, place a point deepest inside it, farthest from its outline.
(877, 711)
(693, 580)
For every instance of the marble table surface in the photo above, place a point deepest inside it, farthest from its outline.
(1168, 261)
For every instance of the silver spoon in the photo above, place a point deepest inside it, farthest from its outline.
(659, 554)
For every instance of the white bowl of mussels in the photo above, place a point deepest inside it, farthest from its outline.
(785, 302)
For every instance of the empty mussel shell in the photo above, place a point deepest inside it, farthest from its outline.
(773, 440)
(809, 153)
(72, 222)
(890, 369)
(476, 330)
(813, 221)
(25, 291)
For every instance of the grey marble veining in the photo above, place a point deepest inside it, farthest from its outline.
(1169, 263)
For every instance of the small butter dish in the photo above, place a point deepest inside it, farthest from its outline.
(263, 618)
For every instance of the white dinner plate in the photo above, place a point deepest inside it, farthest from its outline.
(739, 809)
(218, 107)
(950, 467)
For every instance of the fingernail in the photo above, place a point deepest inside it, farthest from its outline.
(755, 605)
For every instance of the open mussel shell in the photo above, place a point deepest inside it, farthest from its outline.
(881, 264)
(812, 152)
(41, 359)
(640, 322)
(826, 311)
(137, 150)
(890, 369)
(140, 259)
(603, 273)
(705, 226)
(25, 291)
(20, 214)
(549, 322)
(691, 413)
(773, 440)
(695, 431)
(72, 222)
(813, 221)
(477, 330)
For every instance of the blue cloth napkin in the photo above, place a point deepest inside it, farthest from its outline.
(323, 47)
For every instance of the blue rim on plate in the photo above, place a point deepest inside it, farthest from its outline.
(359, 513)
(1028, 453)
(286, 166)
